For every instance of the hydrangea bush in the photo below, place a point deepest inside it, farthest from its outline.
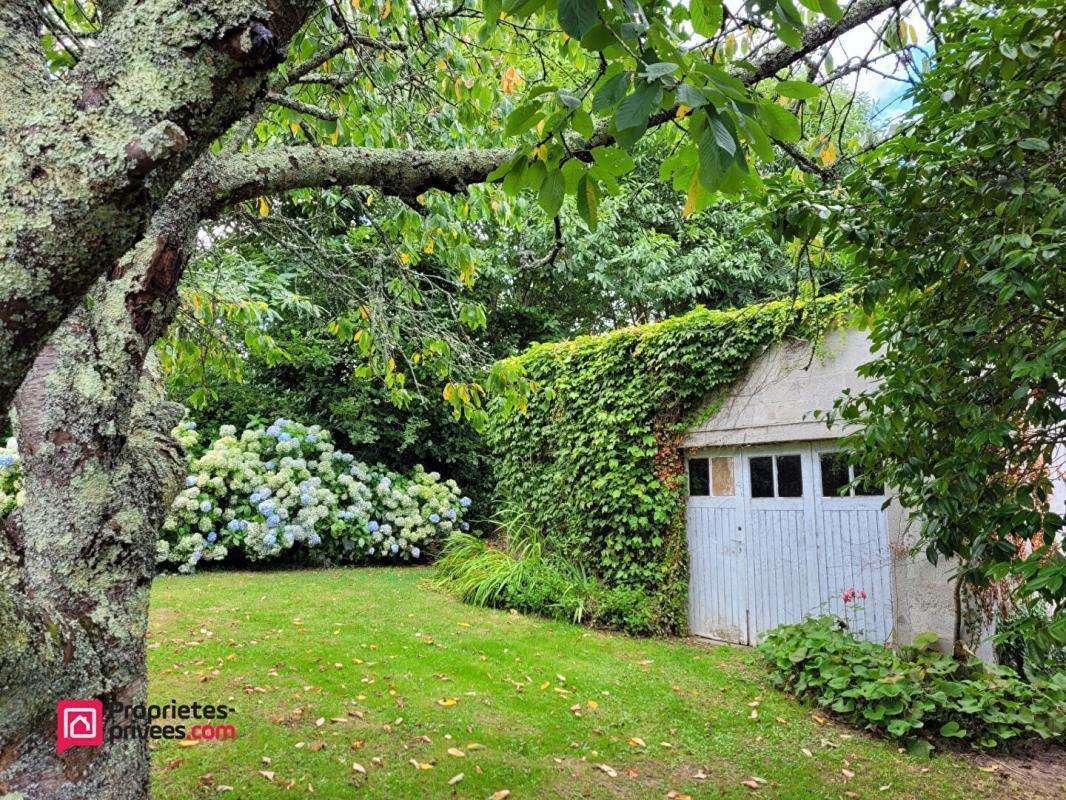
(285, 489)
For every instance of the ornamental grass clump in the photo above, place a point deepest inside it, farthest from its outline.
(286, 490)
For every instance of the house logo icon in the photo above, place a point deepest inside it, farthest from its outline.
(79, 723)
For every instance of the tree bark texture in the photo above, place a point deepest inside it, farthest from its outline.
(86, 160)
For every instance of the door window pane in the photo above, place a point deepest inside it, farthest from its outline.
(789, 477)
(834, 473)
(722, 476)
(699, 480)
(867, 488)
(762, 476)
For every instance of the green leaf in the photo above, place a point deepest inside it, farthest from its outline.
(577, 17)
(1034, 144)
(798, 90)
(634, 110)
(523, 118)
(689, 95)
(552, 192)
(599, 37)
(778, 122)
(608, 95)
(660, 70)
(706, 16)
(617, 162)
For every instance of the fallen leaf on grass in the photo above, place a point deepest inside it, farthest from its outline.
(500, 795)
(806, 752)
(447, 702)
(357, 767)
(456, 752)
(607, 770)
(188, 743)
(420, 764)
(267, 774)
(454, 779)
(847, 773)
(750, 784)
(636, 741)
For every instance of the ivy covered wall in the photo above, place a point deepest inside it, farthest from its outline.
(595, 460)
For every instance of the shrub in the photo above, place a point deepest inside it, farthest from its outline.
(286, 489)
(917, 692)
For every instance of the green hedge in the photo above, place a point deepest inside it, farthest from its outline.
(595, 460)
(914, 694)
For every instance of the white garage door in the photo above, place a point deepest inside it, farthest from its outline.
(772, 540)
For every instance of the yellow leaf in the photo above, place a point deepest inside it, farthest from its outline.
(828, 154)
(387, 9)
(295, 128)
(442, 64)
(264, 207)
(682, 112)
(693, 196)
(455, 752)
(429, 247)
(336, 135)
(405, 258)
(355, 4)
(447, 702)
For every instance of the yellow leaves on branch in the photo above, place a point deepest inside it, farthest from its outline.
(511, 80)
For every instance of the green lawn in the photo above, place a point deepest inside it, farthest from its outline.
(373, 666)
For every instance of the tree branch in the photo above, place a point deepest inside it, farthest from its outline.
(402, 173)
(304, 108)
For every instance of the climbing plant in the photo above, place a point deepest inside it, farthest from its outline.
(594, 458)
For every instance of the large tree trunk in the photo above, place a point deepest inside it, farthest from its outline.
(77, 559)
(88, 159)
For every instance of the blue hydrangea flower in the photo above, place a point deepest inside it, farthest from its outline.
(415, 552)
(285, 437)
(212, 536)
(372, 526)
(306, 499)
(266, 508)
(190, 425)
(450, 513)
(434, 518)
(273, 520)
(466, 502)
(311, 438)
(196, 554)
(395, 548)
(270, 540)
(269, 465)
(465, 525)
(371, 551)
(314, 539)
(234, 525)
(189, 481)
(205, 506)
(273, 430)
(254, 498)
